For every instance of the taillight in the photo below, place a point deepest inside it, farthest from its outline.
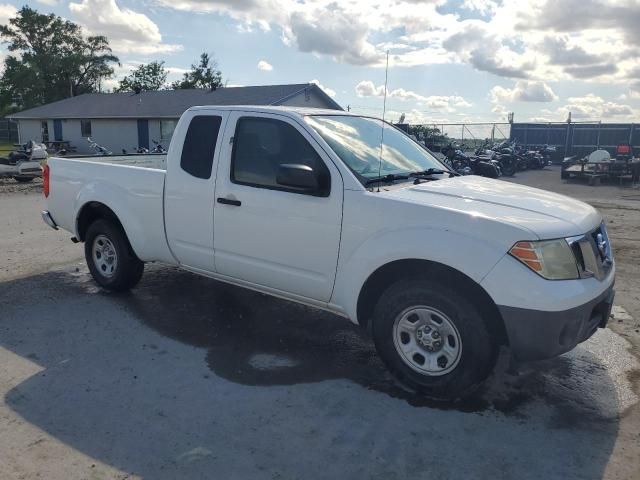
(45, 181)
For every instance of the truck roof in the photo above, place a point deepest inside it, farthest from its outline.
(289, 111)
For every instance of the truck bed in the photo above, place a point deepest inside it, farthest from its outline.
(157, 161)
(131, 185)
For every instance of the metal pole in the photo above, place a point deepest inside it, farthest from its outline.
(598, 141)
(566, 141)
(548, 132)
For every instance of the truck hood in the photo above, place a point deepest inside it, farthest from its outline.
(544, 214)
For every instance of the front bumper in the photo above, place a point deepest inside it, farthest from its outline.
(537, 334)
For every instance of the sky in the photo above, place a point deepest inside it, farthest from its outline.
(450, 61)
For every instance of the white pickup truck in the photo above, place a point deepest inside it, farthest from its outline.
(306, 205)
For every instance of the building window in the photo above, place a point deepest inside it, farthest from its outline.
(85, 128)
(166, 129)
(44, 129)
(200, 145)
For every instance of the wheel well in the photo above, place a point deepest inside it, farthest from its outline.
(91, 212)
(386, 275)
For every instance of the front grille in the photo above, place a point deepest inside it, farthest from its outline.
(593, 253)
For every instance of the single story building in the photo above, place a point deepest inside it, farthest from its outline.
(128, 120)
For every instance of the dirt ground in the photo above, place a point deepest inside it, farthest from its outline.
(185, 377)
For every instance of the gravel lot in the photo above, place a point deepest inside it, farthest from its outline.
(186, 377)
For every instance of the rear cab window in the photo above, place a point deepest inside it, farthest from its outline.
(199, 145)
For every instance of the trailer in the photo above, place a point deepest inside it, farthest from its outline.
(600, 165)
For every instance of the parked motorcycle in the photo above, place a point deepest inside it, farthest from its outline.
(97, 149)
(547, 152)
(158, 147)
(465, 164)
(503, 153)
(23, 164)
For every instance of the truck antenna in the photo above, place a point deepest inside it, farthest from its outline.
(384, 111)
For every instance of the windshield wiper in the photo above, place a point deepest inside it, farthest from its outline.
(433, 171)
(392, 177)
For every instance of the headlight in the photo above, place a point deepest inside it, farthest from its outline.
(551, 259)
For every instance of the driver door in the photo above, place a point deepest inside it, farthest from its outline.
(265, 233)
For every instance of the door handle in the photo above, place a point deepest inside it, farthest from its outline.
(229, 201)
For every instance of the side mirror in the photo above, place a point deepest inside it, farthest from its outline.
(300, 177)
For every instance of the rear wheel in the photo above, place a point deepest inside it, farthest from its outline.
(110, 258)
(508, 169)
(433, 339)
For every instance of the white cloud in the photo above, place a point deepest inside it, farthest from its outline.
(329, 91)
(449, 103)
(367, 88)
(479, 46)
(265, 66)
(128, 31)
(589, 107)
(484, 7)
(332, 32)
(541, 40)
(523, 91)
(6, 12)
(560, 52)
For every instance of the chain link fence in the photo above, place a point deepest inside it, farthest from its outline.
(468, 136)
(569, 139)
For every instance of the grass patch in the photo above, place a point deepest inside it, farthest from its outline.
(5, 148)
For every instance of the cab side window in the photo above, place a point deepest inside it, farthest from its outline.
(200, 145)
(262, 145)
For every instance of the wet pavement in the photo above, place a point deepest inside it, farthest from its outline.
(188, 377)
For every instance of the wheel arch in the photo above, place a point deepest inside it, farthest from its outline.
(387, 274)
(92, 211)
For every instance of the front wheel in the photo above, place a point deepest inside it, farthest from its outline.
(110, 258)
(22, 179)
(433, 339)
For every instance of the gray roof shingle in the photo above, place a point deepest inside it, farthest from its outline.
(165, 103)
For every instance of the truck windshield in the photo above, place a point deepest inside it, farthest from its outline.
(356, 140)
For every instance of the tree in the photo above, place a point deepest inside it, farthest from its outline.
(203, 75)
(429, 135)
(145, 77)
(52, 60)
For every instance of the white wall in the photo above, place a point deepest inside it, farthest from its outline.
(118, 134)
(113, 134)
(29, 130)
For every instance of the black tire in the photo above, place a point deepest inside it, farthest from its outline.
(23, 179)
(128, 268)
(478, 352)
(508, 169)
(564, 175)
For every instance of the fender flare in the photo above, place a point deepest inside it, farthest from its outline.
(474, 258)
